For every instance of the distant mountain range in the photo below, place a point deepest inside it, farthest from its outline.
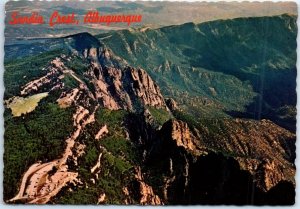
(233, 67)
(184, 114)
(155, 15)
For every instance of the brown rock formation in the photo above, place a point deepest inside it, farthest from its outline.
(104, 84)
(147, 196)
(182, 135)
(172, 105)
(260, 150)
(209, 161)
(121, 88)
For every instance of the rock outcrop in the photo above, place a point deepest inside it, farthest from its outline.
(181, 134)
(121, 88)
(129, 89)
(259, 151)
(205, 161)
(172, 105)
(107, 80)
(146, 194)
(104, 83)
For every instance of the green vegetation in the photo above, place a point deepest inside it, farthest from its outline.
(186, 117)
(113, 118)
(160, 115)
(118, 159)
(120, 156)
(210, 127)
(213, 70)
(219, 68)
(81, 41)
(21, 105)
(39, 135)
(78, 65)
(116, 174)
(70, 82)
(78, 196)
(18, 72)
(212, 130)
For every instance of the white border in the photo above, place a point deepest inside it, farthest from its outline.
(5, 206)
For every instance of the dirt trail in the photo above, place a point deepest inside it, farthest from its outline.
(43, 181)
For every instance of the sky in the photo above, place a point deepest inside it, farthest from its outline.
(154, 14)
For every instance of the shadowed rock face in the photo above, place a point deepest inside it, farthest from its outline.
(172, 105)
(129, 89)
(254, 64)
(217, 169)
(210, 161)
(116, 85)
(105, 83)
(107, 79)
(215, 179)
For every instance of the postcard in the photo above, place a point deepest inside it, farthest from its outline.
(150, 103)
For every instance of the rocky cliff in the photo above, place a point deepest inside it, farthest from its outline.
(231, 161)
(102, 82)
(106, 79)
(128, 145)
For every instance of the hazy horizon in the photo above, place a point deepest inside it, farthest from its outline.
(155, 15)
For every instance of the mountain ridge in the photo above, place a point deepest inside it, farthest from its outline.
(245, 50)
(124, 142)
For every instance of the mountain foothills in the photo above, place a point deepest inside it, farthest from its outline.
(187, 114)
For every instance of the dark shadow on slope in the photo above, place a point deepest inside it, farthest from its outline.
(258, 110)
(215, 180)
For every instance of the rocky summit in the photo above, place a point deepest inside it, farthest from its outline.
(154, 117)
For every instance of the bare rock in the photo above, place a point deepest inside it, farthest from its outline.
(172, 105)
(147, 196)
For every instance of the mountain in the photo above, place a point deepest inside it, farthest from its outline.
(154, 116)
(155, 14)
(236, 65)
(88, 84)
(218, 69)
